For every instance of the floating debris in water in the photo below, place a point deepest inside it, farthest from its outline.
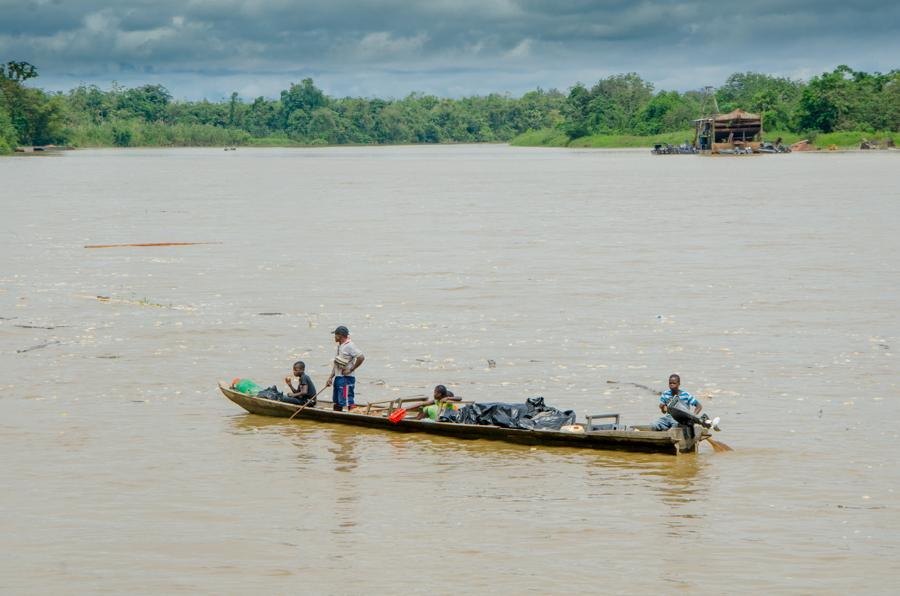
(37, 347)
(40, 326)
(142, 302)
(638, 385)
(491, 363)
(270, 314)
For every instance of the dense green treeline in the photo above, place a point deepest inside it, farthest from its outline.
(618, 109)
(842, 100)
(147, 115)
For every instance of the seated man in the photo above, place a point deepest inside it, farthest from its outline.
(305, 389)
(441, 401)
(667, 422)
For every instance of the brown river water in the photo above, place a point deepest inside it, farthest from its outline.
(769, 283)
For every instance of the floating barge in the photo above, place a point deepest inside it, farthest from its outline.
(611, 436)
(735, 133)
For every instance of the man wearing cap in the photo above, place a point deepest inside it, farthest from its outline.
(347, 360)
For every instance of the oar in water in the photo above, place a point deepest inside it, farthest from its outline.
(719, 446)
(309, 401)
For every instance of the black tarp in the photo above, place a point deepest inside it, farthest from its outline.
(531, 415)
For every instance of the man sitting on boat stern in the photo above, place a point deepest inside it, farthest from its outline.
(347, 360)
(305, 390)
(684, 397)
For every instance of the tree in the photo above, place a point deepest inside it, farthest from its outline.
(233, 109)
(148, 102)
(39, 119)
(611, 106)
(890, 99)
(616, 102)
(537, 109)
(325, 125)
(392, 125)
(667, 111)
(576, 111)
(298, 103)
(18, 71)
(8, 134)
(263, 117)
(89, 104)
(776, 98)
(825, 101)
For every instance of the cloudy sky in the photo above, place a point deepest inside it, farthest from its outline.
(388, 48)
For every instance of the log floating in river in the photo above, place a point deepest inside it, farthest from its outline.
(147, 244)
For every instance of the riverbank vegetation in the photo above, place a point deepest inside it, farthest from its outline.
(840, 107)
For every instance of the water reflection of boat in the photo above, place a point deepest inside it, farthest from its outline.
(617, 437)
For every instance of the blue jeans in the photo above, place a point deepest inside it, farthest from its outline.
(664, 423)
(343, 391)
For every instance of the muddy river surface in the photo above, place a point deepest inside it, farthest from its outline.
(769, 283)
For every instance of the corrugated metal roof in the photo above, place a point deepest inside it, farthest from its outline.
(738, 114)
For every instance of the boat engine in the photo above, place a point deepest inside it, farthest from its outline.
(682, 414)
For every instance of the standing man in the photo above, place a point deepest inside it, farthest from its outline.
(347, 360)
(667, 422)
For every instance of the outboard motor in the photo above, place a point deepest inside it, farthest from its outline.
(682, 414)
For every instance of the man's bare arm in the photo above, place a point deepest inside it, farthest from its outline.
(359, 360)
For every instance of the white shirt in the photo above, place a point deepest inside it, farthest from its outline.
(348, 351)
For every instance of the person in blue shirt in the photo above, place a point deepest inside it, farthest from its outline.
(667, 422)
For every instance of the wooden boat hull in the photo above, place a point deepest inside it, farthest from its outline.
(673, 441)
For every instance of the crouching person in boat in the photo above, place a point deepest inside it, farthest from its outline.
(688, 400)
(441, 401)
(347, 359)
(305, 390)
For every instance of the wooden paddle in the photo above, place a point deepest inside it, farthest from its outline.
(719, 446)
(309, 401)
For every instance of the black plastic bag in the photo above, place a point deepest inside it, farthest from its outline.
(271, 393)
(275, 395)
(532, 415)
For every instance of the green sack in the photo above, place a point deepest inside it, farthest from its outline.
(248, 387)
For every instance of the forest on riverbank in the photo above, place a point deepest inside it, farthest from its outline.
(620, 110)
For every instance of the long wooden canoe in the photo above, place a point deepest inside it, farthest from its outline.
(681, 439)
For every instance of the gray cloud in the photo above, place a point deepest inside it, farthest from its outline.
(207, 48)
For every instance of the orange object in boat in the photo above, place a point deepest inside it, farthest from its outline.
(397, 415)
